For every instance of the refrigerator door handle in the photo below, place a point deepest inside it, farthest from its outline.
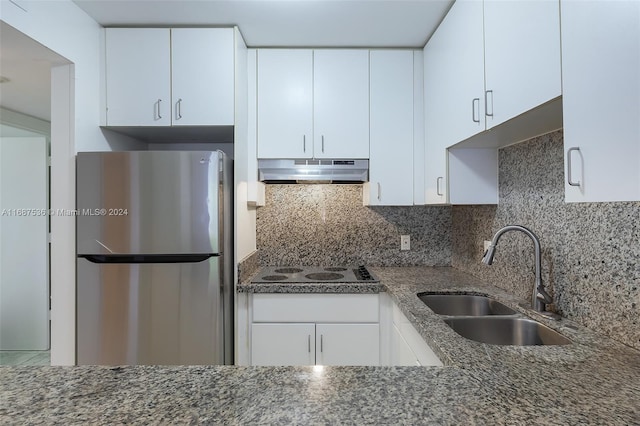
(148, 258)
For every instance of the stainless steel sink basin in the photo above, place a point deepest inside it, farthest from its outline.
(464, 305)
(506, 331)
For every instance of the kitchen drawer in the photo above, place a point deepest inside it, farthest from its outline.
(332, 308)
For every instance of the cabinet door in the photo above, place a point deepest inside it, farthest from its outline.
(522, 56)
(409, 336)
(401, 353)
(285, 103)
(391, 145)
(202, 71)
(435, 149)
(138, 78)
(454, 75)
(347, 344)
(341, 103)
(453, 90)
(283, 344)
(601, 100)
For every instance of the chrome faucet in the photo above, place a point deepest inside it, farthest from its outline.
(539, 297)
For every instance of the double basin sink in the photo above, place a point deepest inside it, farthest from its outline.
(485, 320)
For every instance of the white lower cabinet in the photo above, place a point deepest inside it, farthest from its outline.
(347, 344)
(283, 344)
(406, 345)
(328, 329)
(401, 353)
(310, 329)
(311, 344)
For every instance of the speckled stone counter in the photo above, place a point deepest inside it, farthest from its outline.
(403, 284)
(323, 287)
(246, 286)
(592, 381)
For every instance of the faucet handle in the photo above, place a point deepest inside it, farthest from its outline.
(487, 257)
(543, 295)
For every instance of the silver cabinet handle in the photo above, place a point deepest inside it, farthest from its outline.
(158, 107)
(304, 143)
(321, 346)
(486, 107)
(473, 110)
(379, 191)
(179, 109)
(322, 144)
(440, 178)
(309, 343)
(569, 174)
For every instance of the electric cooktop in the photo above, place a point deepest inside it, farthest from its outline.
(315, 274)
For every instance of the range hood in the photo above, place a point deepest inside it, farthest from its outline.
(313, 171)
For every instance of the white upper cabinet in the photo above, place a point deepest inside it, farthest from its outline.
(285, 103)
(164, 77)
(488, 63)
(313, 103)
(522, 57)
(202, 71)
(391, 144)
(138, 71)
(453, 90)
(601, 100)
(341, 103)
(491, 61)
(419, 192)
(454, 76)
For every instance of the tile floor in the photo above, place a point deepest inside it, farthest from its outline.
(25, 358)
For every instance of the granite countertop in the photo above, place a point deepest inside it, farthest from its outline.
(594, 380)
(324, 287)
(320, 287)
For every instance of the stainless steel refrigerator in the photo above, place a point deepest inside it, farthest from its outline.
(155, 258)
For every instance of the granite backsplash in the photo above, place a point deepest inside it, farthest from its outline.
(590, 251)
(248, 266)
(328, 225)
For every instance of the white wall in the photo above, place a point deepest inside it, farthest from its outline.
(245, 215)
(15, 124)
(76, 115)
(64, 28)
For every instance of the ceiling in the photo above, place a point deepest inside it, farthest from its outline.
(287, 23)
(263, 23)
(27, 65)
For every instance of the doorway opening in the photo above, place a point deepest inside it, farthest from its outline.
(25, 221)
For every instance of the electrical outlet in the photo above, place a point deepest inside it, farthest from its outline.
(405, 242)
(486, 245)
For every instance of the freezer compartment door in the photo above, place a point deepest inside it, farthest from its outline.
(152, 313)
(150, 202)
